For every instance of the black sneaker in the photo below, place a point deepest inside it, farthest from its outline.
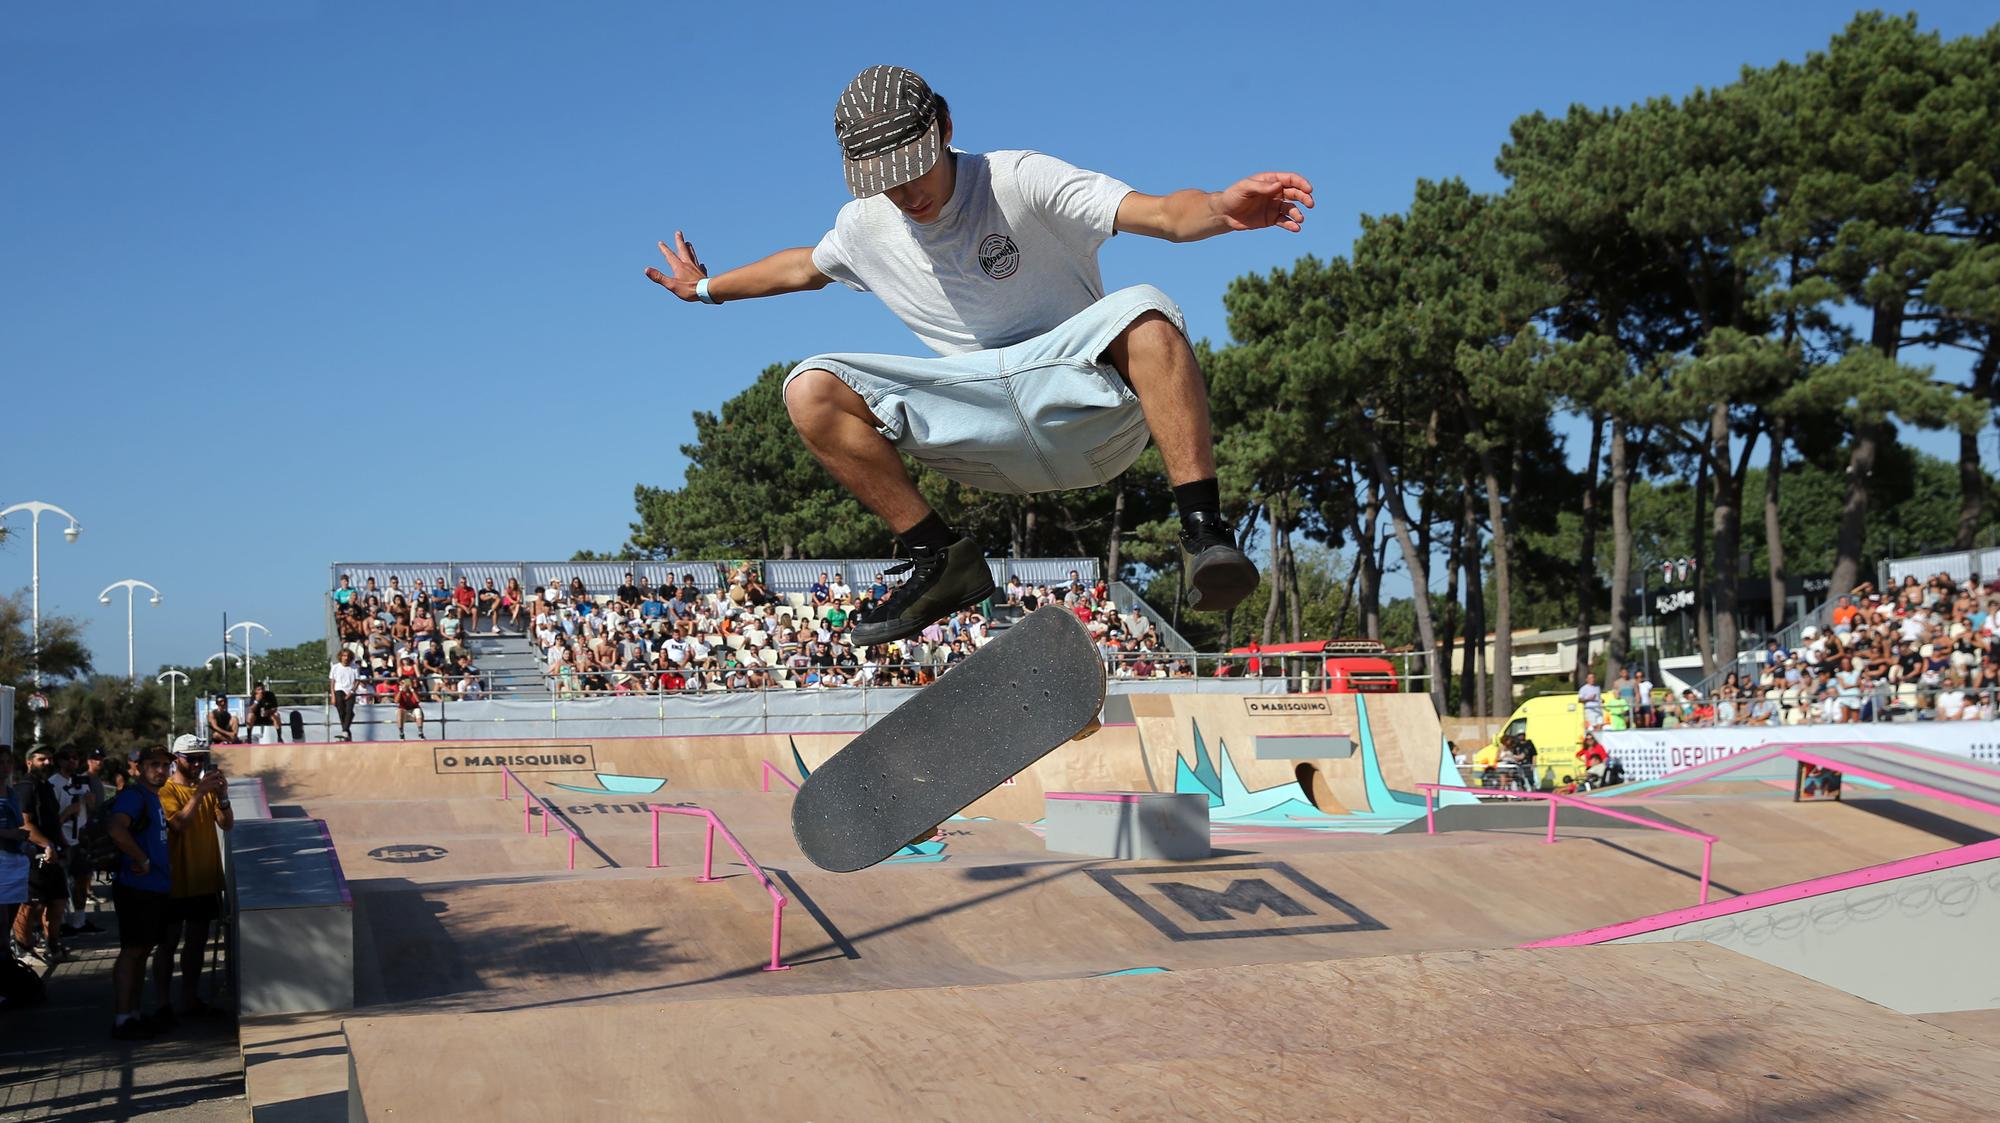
(941, 582)
(1219, 575)
(135, 1030)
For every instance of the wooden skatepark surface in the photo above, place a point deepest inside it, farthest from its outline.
(460, 914)
(1667, 1032)
(990, 913)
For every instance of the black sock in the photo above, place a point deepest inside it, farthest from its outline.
(1198, 495)
(932, 534)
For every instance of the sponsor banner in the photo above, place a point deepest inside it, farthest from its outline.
(1649, 754)
(520, 758)
(1284, 705)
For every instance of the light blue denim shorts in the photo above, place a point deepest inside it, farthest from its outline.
(1045, 414)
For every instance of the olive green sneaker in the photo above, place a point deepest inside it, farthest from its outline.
(1219, 575)
(941, 582)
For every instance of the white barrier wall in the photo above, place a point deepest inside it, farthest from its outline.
(1649, 754)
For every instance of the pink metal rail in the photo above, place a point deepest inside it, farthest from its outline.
(508, 781)
(708, 866)
(771, 770)
(1556, 801)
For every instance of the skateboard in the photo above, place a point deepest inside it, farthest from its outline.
(1036, 685)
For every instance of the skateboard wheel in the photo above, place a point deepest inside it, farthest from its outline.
(1088, 730)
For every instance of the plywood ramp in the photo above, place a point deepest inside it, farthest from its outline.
(1396, 738)
(1658, 1033)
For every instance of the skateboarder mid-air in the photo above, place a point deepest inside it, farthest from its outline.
(1042, 381)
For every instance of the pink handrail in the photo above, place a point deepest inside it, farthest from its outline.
(708, 867)
(1556, 801)
(507, 780)
(771, 770)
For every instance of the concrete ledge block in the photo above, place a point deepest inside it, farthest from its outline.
(1147, 825)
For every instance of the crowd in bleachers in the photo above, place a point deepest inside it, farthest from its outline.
(678, 637)
(643, 638)
(1921, 651)
(406, 637)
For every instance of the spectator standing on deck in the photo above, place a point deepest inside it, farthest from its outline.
(1591, 697)
(342, 680)
(195, 804)
(142, 892)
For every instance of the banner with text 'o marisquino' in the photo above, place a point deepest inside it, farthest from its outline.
(1649, 754)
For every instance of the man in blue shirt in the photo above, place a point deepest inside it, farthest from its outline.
(138, 828)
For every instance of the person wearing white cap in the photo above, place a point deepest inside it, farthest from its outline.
(1043, 381)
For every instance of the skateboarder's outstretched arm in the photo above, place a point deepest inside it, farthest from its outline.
(1252, 203)
(789, 270)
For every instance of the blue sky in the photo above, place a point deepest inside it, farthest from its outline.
(290, 282)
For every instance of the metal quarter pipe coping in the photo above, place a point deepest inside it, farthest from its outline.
(708, 865)
(1555, 801)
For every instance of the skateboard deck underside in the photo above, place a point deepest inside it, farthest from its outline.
(1035, 686)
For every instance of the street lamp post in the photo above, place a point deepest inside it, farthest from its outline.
(131, 586)
(35, 508)
(173, 679)
(246, 626)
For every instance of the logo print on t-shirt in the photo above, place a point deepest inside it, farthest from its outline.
(999, 256)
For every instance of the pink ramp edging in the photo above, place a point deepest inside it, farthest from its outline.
(507, 778)
(708, 867)
(1097, 797)
(1555, 801)
(1813, 887)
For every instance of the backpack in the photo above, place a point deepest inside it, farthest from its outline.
(19, 985)
(99, 852)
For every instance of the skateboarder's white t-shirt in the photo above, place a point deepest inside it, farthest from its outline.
(1010, 256)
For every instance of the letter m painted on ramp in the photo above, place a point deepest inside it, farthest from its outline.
(1225, 900)
(1245, 896)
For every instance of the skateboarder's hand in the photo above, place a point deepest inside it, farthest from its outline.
(1265, 199)
(684, 268)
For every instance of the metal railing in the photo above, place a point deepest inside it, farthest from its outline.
(1127, 599)
(770, 770)
(528, 798)
(708, 866)
(1556, 802)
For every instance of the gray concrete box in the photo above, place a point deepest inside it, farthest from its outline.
(294, 939)
(1151, 825)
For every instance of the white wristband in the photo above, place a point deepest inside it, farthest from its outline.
(701, 292)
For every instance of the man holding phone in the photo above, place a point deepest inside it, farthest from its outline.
(195, 802)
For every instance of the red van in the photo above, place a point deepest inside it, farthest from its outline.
(1335, 666)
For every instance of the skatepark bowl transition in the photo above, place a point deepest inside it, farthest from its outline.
(623, 928)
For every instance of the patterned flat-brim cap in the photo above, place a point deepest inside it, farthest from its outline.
(887, 124)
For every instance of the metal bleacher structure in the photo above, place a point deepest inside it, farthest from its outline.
(513, 667)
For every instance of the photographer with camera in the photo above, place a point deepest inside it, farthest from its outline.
(195, 803)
